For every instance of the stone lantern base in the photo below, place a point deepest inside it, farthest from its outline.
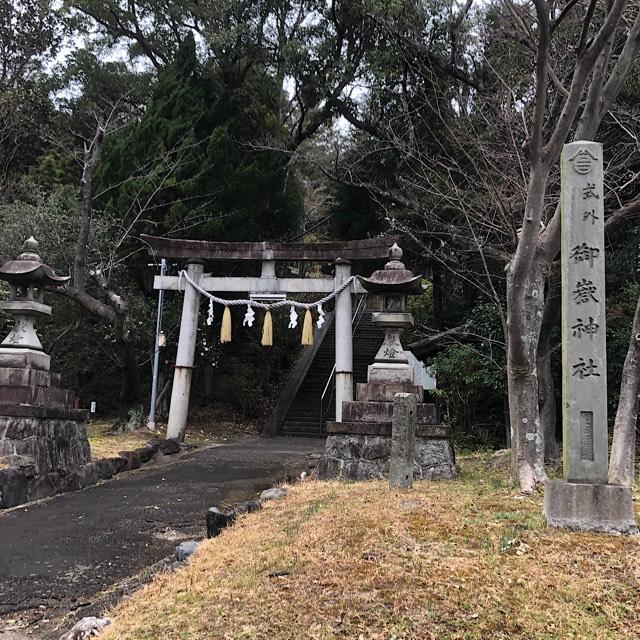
(40, 427)
(358, 457)
(359, 447)
(41, 432)
(13, 358)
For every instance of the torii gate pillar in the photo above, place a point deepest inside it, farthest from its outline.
(344, 338)
(181, 391)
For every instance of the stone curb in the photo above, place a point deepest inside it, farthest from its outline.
(217, 520)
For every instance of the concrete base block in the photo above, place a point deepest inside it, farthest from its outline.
(581, 506)
(389, 372)
(434, 431)
(381, 391)
(357, 411)
(18, 358)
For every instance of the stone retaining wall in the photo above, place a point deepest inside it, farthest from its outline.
(46, 444)
(25, 484)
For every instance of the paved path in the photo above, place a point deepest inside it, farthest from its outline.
(58, 555)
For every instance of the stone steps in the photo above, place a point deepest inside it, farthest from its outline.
(304, 412)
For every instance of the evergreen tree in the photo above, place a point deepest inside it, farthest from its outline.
(192, 164)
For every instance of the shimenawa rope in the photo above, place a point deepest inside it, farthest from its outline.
(267, 332)
(263, 305)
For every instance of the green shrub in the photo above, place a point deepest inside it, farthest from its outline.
(471, 382)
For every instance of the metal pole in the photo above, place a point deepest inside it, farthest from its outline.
(151, 421)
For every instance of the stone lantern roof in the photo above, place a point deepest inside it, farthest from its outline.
(29, 269)
(27, 276)
(394, 278)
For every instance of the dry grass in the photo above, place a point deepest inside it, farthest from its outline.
(105, 443)
(468, 559)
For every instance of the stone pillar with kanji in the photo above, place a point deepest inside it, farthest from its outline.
(584, 500)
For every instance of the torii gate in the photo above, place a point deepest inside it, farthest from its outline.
(196, 253)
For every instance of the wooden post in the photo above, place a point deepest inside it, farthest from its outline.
(181, 391)
(344, 338)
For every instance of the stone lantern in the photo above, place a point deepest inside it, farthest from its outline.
(43, 432)
(358, 447)
(27, 276)
(394, 283)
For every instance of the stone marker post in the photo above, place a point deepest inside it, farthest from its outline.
(403, 440)
(584, 501)
(584, 349)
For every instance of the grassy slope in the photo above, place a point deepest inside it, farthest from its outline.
(201, 431)
(105, 443)
(464, 559)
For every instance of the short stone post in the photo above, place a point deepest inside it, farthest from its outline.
(403, 440)
(344, 338)
(181, 390)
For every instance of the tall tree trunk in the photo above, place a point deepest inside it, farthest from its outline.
(507, 421)
(523, 327)
(548, 407)
(623, 449)
(526, 277)
(92, 153)
(107, 304)
(535, 252)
